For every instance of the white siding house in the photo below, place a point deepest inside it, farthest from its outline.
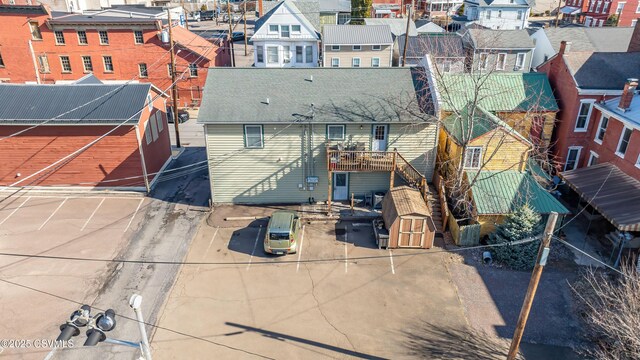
(285, 37)
(497, 14)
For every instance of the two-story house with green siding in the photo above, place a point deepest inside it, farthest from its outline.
(317, 134)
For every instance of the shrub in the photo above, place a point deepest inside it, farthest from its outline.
(522, 223)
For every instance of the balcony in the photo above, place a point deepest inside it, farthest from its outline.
(360, 161)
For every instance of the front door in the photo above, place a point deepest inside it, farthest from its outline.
(340, 186)
(380, 136)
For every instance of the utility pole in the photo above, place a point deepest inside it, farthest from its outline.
(233, 56)
(186, 19)
(406, 40)
(558, 12)
(244, 15)
(541, 261)
(174, 86)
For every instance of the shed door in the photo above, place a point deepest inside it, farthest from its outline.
(411, 232)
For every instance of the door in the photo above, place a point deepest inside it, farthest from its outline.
(340, 186)
(380, 137)
(411, 232)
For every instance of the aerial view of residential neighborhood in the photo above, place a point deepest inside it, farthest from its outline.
(320, 179)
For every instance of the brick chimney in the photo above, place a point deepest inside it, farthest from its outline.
(627, 94)
(634, 44)
(565, 47)
(260, 8)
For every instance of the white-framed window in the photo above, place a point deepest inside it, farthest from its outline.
(308, 54)
(593, 159)
(87, 64)
(272, 55)
(620, 7)
(591, 3)
(483, 61)
(573, 156)
(108, 63)
(82, 37)
(253, 137)
(142, 70)
(259, 54)
(43, 64)
(356, 47)
(335, 47)
(472, 157)
(520, 13)
(623, 143)
(286, 54)
(335, 62)
(193, 70)
(598, 6)
(299, 54)
(273, 29)
(602, 129)
(169, 70)
(66, 64)
(138, 37)
(295, 29)
(600, 23)
(35, 30)
(487, 14)
(104, 37)
(520, 58)
(584, 113)
(336, 132)
(446, 66)
(376, 47)
(501, 61)
(284, 31)
(355, 62)
(375, 62)
(59, 37)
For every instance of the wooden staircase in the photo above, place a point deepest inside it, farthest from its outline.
(436, 209)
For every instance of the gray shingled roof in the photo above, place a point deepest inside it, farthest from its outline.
(398, 26)
(438, 45)
(606, 71)
(500, 39)
(308, 10)
(332, 95)
(34, 104)
(357, 35)
(335, 6)
(71, 18)
(600, 39)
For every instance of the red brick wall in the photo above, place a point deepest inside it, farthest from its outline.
(14, 47)
(626, 17)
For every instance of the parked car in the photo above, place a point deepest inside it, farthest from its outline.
(234, 18)
(282, 233)
(237, 36)
(193, 16)
(183, 115)
(217, 37)
(207, 15)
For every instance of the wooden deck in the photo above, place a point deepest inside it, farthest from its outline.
(360, 161)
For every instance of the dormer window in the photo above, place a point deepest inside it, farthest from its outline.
(273, 29)
(295, 29)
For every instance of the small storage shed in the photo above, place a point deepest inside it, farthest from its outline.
(408, 219)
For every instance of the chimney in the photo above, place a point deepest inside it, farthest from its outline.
(565, 47)
(627, 94)
(260, 8)
(634, 44)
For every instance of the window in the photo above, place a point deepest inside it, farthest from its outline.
(375, 62)
(572, 158)
(104, 37)
(376, 47)
(620, 7)
(309, 54)
(335, 47)
(472, 157)
(519, 15)
(43, 64)
(583, 116)
(483, 61)
(623, 144)
(138, 37)
(602, 129)
(169, 70)
(487, 14)
(446, 66)
(108, 63)
(273, 29)
(286, 54)
(66, 64)
(299, 50)
(147, 133)
(591, 3)
(259, 54)
(35, 30)
(335, 62)
(193, 70)
(295, 29)
(272, 55)
(593, 159)
(160, 121)
(86, 64)
(1, 61)
(284, 31)
(356, 47)
(520, 60)
(59, 37)
(355, 62)
(154, 128)
(142, 70)
(638, 9)
(82, 37)
(598, 6)
(335, 132)
(502, 59)
(253, 137)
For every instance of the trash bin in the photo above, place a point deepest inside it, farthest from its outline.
(377, 199)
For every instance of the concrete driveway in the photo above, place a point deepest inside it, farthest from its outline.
(351, 306)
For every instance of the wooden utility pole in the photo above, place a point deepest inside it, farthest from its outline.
(244, 15)
(174, 86)
(186, 20)
(558, 12)
(541, 261)
(406, 40)
(233, 56)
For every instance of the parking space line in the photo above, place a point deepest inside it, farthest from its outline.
(393, 270)
(345, 250)
(134, 215)
(206, 252)
(92, 214)
(254, 247)
(300, 249)
(53, 213)
(14, 210)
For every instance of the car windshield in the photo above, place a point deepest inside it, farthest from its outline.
(278, 236)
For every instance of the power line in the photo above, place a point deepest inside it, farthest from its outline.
(591, 257)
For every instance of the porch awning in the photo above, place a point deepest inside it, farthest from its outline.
(609, 190)
(570, 10)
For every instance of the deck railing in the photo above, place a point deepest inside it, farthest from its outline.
(356, 161)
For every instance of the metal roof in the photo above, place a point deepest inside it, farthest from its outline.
(483, 123)
(600, 39)
(321, 95)
(499, 92)
(502, 192)
(357, 35)
(398, 26)
(335, 6)
(609, 190)
(63, 104)
(445, 45)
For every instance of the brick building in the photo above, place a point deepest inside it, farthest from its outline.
(598, 13)
(46, 48)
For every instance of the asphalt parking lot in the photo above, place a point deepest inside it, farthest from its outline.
(359, 302)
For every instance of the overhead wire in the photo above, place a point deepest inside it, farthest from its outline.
(590, 256)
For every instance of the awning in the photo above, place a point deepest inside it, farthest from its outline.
(570, 10)
(613, 193)
(382, 11)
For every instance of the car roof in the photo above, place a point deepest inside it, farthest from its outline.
(281, 221)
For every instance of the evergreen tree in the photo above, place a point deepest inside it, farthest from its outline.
(522, 223)
(360, 8)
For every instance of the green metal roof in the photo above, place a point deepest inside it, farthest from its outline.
(482, 121)
(501, 192)
(498, 92)
(281, 221)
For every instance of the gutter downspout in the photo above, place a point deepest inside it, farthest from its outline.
(35, 63)
(143, 162)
